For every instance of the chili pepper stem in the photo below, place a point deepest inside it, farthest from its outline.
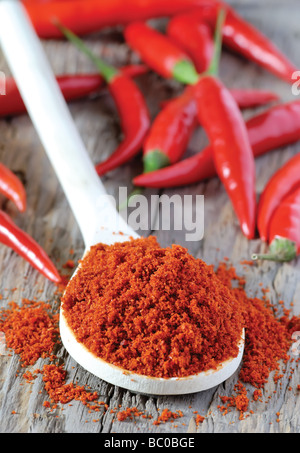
(214, 64)
(155, 159)
(107, 71)
(281, 249)
(185, 72)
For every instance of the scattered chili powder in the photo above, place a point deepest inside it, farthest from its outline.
(257, 394)
(130, 412)
(29, 376)
(69, 264)
(167, 415)
(152, 310)
(30, 329)
(199, 419)
(267, 339)
(240, 401)
(54, 377)
(247, 262)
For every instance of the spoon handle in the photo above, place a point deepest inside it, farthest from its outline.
(91, 205)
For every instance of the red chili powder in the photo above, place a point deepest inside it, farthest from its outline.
(267, 338)
(240, 400)
(30, 330)
(54, 377)
(169, 302)
(69, 264)
(167, 415)
(129, 412)
(257, 394)
(199, 419)
(152, 310)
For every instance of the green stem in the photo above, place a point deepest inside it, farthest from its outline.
(107, 71)
(214, 64)
(155, 160)
(185, 72)
(281, 250)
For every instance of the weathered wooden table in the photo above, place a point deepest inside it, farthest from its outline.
(50, 221)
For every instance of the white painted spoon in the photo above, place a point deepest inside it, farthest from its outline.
(93, 209)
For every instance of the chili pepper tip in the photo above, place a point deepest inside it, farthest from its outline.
(53, 276)
(281, 250)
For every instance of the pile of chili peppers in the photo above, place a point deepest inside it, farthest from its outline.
(188, 51)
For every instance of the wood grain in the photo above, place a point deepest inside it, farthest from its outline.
(49, 220)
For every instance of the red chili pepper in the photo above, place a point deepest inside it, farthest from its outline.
(245, 98)
(171, 131)
(232, 153)
(73, 87)
(92, 15)
(173, 127)
(242, 37)
(193, 37)
(253, 98)
(131, 105)
(276, 127)
(188, 171)
(12, 187)
(284, 237)
(160, 53)
(135, 122)
(23, 244)
(223, 122)
(284, 180)
(285, 222)
(134, 70)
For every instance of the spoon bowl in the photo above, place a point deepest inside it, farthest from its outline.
(139, 383)
(92, 207)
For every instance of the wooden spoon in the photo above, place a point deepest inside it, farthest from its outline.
(93, 209)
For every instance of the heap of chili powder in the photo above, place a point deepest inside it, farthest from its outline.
(152, 310)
